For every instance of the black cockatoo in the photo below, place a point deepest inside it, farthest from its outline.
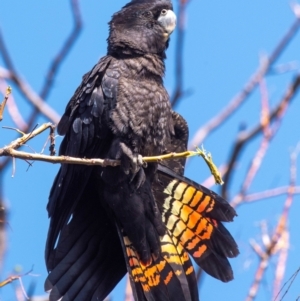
(105, 221)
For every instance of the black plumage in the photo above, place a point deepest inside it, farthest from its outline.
(105, 221)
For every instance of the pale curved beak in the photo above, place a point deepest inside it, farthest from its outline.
(168, 21)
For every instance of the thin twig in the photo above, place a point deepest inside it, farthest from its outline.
(210, 181)
(248, 88)
(257, 160)
(245, 137)
(10, 151)
(39, 101)
(26, 137)
(13, 167)
(29, 94)
(13, 278)
(178, 93)
(60, 57)
(23, 86)
(290, 281)
(270, 193)
(12, 107)
(64, 51)
(34, 99)
(284, 245)
(271, 245)
(3, 104)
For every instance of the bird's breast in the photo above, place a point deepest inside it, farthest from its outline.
(143, 110)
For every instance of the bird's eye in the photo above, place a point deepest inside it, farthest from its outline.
(163, 12)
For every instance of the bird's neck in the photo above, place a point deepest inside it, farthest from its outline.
(144, 65)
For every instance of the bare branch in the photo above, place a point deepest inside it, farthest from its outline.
(248, 88)
(5, 74)
(26, 137)
(37, 101)
(12, 107)
(210, 181)
(60, 57)
(272, 245)
(179, 93)
(25, 88)
(10, 151)
(253, 197)
(13, 278)
(245, 137)
(66, 47)
(3, 104)
(290, 281)
(262, 150)
(284, 245)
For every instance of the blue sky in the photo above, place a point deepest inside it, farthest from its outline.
(223, 45)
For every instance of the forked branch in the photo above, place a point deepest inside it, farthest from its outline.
(11, 151)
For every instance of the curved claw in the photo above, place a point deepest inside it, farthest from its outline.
(132, 162)
(139, 178)
(136, 163)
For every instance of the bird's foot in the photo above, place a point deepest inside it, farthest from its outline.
(133, 163)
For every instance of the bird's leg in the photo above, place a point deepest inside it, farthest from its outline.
(132, 162)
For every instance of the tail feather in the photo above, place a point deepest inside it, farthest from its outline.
(150, 278)
(193, 215)
(198, 197)
(168, 277)
(187, 268)
(222, 241)
(88, 259)
(216, 266)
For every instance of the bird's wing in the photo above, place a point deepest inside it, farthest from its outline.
(88, 260)
(83, 252)
(82, 129)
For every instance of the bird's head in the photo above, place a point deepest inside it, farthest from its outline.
(142, 26)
